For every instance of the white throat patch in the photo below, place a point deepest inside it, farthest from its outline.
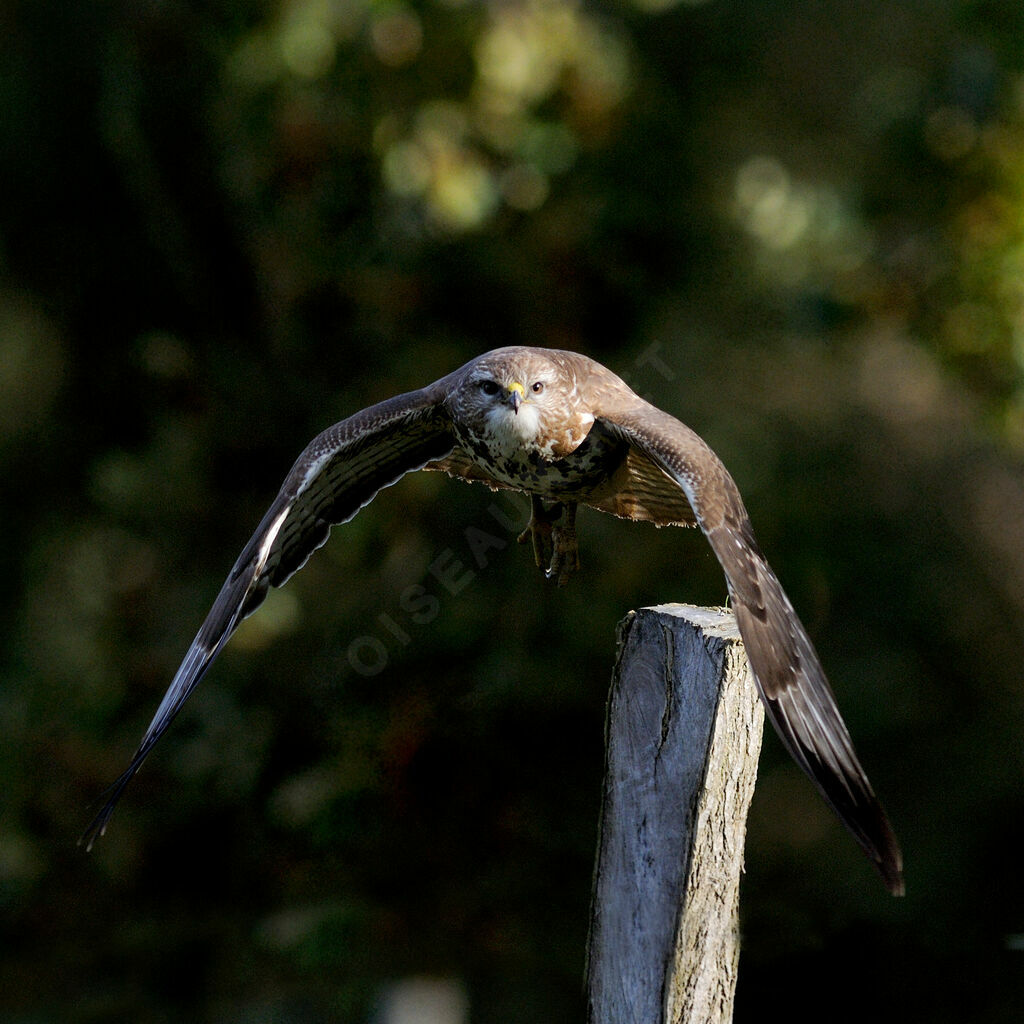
(512, 431)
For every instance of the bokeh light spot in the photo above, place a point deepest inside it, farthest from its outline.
(463, 194)
(406, 168)
(768, 205)
(307, 45)
(397, 36)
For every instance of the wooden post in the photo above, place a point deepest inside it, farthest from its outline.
(683, 737)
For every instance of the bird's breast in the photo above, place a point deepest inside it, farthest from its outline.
(538, 469)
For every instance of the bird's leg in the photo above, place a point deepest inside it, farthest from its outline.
(555, 548)
(565, 558)
(538, 530)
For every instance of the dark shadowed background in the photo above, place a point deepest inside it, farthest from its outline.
(799, 226)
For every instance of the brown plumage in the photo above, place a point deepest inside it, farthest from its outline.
(567, 431)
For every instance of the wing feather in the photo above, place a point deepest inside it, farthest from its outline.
(798, 699)
(641, 490)
(339, 472)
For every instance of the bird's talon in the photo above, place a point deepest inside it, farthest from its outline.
(539, 530)
(565, 556)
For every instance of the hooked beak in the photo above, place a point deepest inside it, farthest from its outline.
(515, 396)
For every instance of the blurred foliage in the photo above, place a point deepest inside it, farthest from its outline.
(797, 225)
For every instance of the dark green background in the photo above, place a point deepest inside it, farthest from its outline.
(224, 226)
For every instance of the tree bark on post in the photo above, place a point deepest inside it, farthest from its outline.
(683, 737)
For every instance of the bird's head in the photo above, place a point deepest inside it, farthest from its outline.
(515, 397)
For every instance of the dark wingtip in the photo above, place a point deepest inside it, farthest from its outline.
(96, 829)
(868, 823)
(866, 820)
(894, 880)
(888, 858)
(891, 869)
(98, 825)
(846, 789)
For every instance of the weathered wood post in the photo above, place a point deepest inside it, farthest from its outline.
(683, 737)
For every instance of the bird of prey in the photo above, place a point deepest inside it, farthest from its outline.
(567, 431)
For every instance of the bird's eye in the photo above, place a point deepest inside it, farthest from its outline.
(489, 387)
(538, 387)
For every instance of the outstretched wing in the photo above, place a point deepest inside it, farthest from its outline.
(792, 683)
(339, 472)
